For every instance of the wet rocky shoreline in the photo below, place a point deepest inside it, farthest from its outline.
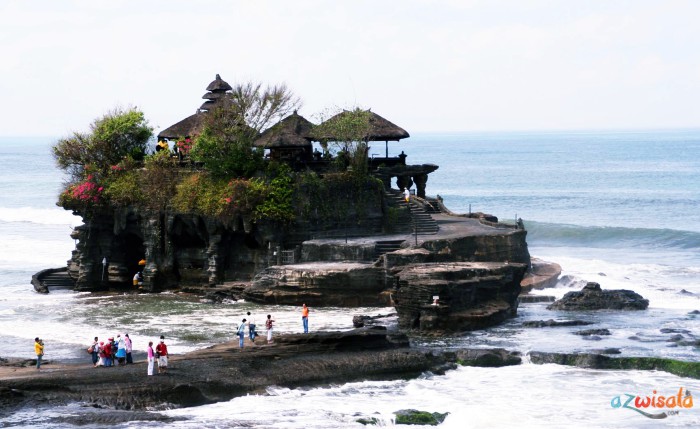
(224, 371)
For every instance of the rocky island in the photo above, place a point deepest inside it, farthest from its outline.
(249, 210)
(286, 223)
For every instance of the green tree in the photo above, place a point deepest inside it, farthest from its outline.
(118, 134)
(225, 145)
(348, 131)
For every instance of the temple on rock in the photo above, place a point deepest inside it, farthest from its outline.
(315, 231)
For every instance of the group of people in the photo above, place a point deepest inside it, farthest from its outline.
(113, 352)
(252, 333)
(249, 322)
(118, 352)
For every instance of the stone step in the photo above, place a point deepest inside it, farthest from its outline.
(386, 246)
(58, 281)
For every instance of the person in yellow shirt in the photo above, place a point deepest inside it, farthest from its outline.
(39, 350)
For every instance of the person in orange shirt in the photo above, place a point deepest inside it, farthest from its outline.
(305, 318)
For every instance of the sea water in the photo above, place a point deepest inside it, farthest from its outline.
(617, 208)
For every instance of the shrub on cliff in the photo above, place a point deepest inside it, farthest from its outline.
(118, 134)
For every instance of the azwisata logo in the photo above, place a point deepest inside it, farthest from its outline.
(682, 400)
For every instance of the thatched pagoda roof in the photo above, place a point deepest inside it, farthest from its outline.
(380, 129)
(219, 85)
(292, 131)
(213, 95)
(190, 126)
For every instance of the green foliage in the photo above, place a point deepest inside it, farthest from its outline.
(348, 130)
(225, 145)
(337, 197)
(125, 189)
(227, 155)
(200, 194)
(278, 205)
(118, 134)
(159, 178)
(242, 197)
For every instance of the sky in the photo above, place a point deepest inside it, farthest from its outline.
(426, 65)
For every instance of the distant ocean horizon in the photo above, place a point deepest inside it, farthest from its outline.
(618, 207)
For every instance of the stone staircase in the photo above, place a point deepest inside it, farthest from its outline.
(423, 222)
(52, 279)
(415, 215)
(59, 280)
(386, 246)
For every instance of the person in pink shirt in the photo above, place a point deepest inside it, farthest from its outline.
(151, 358)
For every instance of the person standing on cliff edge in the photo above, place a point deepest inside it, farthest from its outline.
(162, 355)
(151, 358)
(39, 350)
(241, 333)
(305, 317)
(268, 326)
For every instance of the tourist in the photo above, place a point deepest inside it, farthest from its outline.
(101, 354)
(129, 348)
(151, 357)
(268, 326)
(95, 347)
(138, 279)
(107, 350)
(241, 333)
(39, 350)
(305, 318)
(251, 328)
(121, 350)
(114, 348)
(162, 355)
(406, 194)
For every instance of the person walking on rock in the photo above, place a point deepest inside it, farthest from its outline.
(95, 352)
(39, 351)
(108, 351)
(151, 357)
(268, 326)
(162, 355)
(121, 350)
(129, 348)
(251, 328)
(241, 333)
(305, 318)
(101, 354)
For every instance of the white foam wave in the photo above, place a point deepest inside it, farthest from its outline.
(20, 251)
(665, 286)
(44, 216)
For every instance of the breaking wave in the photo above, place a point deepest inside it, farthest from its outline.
(554, 234)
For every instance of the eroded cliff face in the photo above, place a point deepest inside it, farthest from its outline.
(457, 296)
(341, 284)
(178, 250)
(189, 249)
(474, 268)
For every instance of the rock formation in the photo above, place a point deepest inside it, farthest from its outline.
(592, 297)
(458, 296)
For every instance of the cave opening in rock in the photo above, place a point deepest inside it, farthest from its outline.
(134, 251)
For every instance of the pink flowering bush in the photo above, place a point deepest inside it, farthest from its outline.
(89, 191)
(184, 146)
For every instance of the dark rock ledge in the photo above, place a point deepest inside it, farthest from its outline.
(599, 361)
(224, 371)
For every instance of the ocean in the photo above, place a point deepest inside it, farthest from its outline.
(616, 207)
